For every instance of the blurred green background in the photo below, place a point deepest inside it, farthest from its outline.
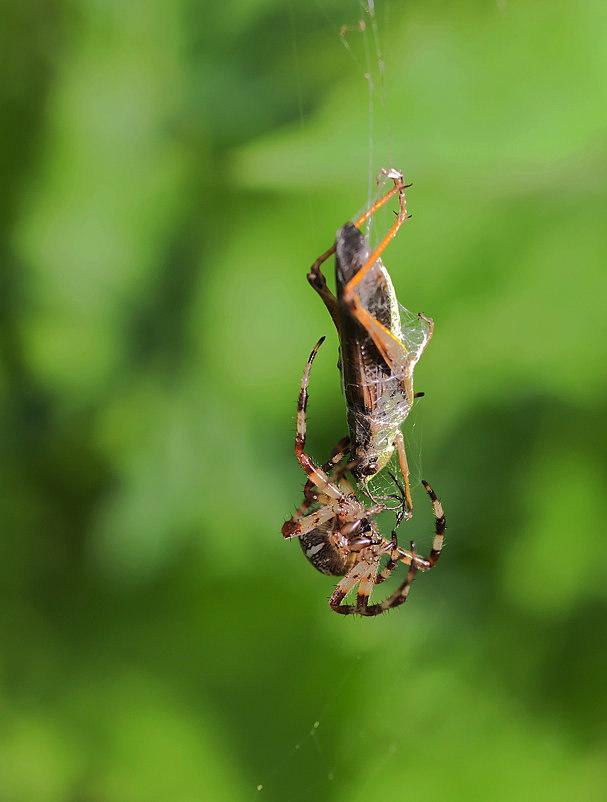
(169, 172)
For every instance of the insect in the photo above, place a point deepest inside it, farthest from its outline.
(377, 352)
(339, 536)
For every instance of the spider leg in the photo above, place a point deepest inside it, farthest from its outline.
(397, 554)
(366, 574)
(399, 596)
(295, 527)
(311, 496)
(365, 586)
(339, 451)
(423, 563)
(439, 535)
(319, 487)
(317, 476)
(363, 571)
(391, 564)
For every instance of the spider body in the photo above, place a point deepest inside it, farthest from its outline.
(323, 554)
(377, 353)
(338, 533)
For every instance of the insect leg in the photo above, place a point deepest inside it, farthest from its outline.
(316, 277)
(404, 469)
(398, 188)
(393, 351)
(318, 282)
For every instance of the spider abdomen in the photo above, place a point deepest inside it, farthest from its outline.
(323, 554)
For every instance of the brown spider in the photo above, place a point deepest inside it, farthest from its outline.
(340, 537)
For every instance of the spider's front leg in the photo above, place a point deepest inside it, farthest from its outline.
(316, 474)
(326, 490)
(337, 454)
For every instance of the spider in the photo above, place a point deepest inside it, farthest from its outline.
(377, 353)
(340, 537)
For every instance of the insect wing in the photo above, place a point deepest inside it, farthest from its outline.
(414, 333)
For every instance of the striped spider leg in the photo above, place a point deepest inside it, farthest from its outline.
(340, 537)
(378, 353)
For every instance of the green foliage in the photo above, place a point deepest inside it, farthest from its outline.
(161, 204)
